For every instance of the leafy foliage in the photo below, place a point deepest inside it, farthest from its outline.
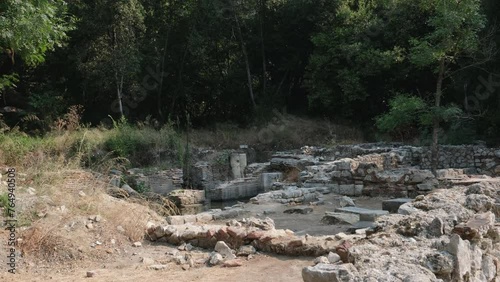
(404, 117)
(31, 28)
(340, 60)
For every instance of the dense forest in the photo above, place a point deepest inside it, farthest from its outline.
(398, 69)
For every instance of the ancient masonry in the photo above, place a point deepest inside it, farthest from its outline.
(353, 170)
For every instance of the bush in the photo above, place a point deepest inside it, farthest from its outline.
(144, 146)
(404, 117)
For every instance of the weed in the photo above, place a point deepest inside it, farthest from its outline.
(4, 203)
(142, 188)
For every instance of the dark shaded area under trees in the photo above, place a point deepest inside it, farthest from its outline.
(365, 62)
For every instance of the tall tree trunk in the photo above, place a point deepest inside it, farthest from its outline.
(119, 89)
(180, 83)
(186, 165)
(436, 120)
(245, 56)
(160, 88)
(262, 45)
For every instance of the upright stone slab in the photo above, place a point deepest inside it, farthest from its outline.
(393, 205)
(238, 163)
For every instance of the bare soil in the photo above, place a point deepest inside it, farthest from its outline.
(59, 245)
(128, 267)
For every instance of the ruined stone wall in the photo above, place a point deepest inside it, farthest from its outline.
(485, 160)
(477, 158)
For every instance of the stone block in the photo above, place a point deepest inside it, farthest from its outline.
(419, 176)
(364, 214)
(358, 190)
(329, 272)
(204, 217)
(190, 218)
(393, 205)
(268, 178)
(339, 218)
(347, 190)
(175, 219)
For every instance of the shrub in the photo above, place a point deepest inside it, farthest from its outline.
(143, 146)
(404, 117)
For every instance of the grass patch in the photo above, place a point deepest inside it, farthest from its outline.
(4, 203)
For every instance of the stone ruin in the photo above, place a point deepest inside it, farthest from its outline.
(435, 228)
(353, 170)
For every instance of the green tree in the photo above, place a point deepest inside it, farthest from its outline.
(29, 29)
(453, 33)
(112, 56)
(354, 51)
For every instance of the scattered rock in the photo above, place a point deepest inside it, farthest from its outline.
(393, 205)
(137, 244)
(215, 258)
(333, 257)
(246, 250)
(436, 228)
(321, 259)
(440, 263)
(299, 210)
(91, 274)
(461, 250)
(147, 261)
(339, 218)
(329, 272)
(222, 248)
(129, 189)
(476, 227)
(343, 250)
(479, 202)
(158, 267)
(232, 263)
(345, 201)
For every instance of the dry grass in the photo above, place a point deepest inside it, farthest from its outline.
(292, 175)
(62, 211)
(282, 133)
(44, 243)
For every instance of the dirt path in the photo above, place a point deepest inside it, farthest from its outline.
(260, 268)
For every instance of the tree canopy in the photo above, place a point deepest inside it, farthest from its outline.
(361, 61)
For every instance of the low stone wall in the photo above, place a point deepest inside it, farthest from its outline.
(484, 160)
(259, 233)
(479, 158)
(237, 189)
